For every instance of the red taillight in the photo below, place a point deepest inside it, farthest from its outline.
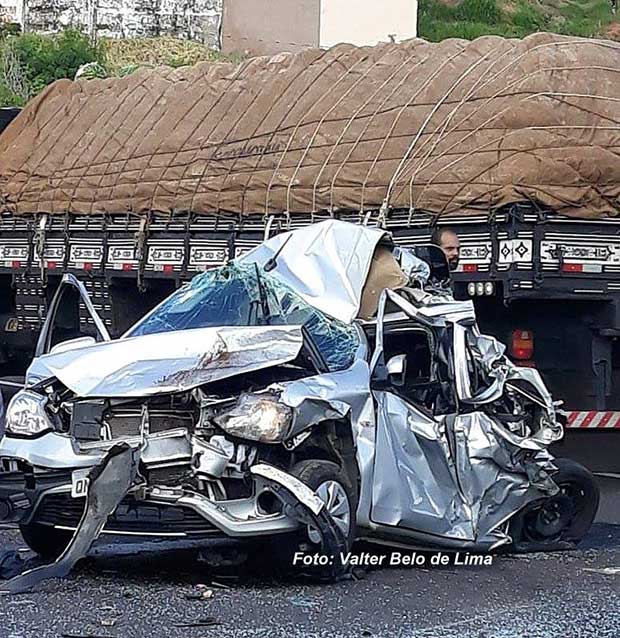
(522, 344)
(470, 267)
(572, 267)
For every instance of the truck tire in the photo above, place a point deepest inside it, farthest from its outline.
(340, 493)
(560, 521)
(45, 540)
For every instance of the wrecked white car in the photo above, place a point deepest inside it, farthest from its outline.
(320, 389)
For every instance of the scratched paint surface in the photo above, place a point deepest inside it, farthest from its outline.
(536, 596)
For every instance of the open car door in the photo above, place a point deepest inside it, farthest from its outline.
(61, 330)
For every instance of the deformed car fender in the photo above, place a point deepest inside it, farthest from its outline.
(305, 506)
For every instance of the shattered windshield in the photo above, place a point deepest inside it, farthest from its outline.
(244, 295)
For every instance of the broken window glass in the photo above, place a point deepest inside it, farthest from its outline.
(244, 295)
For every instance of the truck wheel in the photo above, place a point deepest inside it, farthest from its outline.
(563, 518)
(45, 540)
(338, 492)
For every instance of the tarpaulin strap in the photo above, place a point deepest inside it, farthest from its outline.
(354, 85)
(104, 256)
(313, 105)
(348, 124)
(370, 120)
(424, 162)
(395, 122)
(510, 108)
(39, 246)
(407, 157)
(186, 245)
(288, 86)
(140, 240)
(233, 92)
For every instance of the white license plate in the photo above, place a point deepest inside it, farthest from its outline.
(79, 483)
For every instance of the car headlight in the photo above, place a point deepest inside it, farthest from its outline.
(26, 414)
(257, 417)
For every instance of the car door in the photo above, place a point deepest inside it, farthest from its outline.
(61, 328)
(415, 480)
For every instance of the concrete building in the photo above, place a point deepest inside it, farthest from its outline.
(192, 19)
(255, 27)
(11, 10)
(270, 26)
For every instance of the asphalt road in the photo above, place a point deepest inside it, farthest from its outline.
(560, 595)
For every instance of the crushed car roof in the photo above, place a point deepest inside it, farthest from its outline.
(327, 264)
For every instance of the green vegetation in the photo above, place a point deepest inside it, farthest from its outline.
(470, 19)
(29, 62)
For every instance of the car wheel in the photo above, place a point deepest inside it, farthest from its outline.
(564, 518)
(45, 540)
(338, 492)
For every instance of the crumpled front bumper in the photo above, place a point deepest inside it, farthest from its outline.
(30, 469)
(35, 469)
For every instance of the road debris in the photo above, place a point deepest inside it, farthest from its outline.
(201, 622)
(207, 594)
(607, 571)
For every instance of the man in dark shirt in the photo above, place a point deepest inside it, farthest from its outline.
(449, 242)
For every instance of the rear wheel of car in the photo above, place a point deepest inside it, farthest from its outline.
(565, 517)
(340, 495)
(45, 540)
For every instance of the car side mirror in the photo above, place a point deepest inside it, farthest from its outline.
(435, 257)
(397, 369)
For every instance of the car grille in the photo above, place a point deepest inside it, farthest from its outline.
(130, 517)
(123, 423)
(94, 420)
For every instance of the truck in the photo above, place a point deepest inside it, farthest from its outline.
(540, 262)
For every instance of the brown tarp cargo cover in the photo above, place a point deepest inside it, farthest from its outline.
(453, 126)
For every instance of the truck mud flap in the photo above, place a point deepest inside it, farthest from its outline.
(109, 483)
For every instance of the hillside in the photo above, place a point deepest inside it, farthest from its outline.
(441, 19)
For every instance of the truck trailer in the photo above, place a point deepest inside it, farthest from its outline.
(135, 185)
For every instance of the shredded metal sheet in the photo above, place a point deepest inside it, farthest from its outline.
(327, 264)
(109, 483)
(243, 294)
(458, 479)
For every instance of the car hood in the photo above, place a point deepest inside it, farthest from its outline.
(168, 362)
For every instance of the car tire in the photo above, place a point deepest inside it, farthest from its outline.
(320, 476)
(45, 540)
(561, 520)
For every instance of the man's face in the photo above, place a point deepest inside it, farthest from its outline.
(451, 246)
